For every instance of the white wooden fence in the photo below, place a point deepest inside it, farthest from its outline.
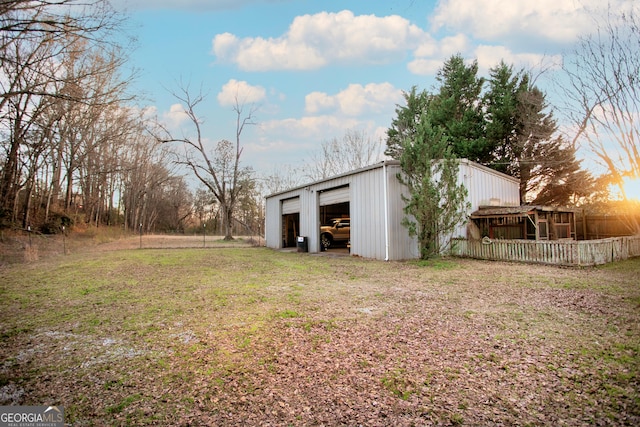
(557, 252)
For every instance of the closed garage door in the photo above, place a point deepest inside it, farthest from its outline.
(335, 196)
(290, 206)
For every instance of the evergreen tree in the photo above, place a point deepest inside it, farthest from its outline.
(437, 202)
(534, 127)
(509, 128)
(557, 178)
(457, 108)
(501, 104)
(522, 130)
(404, 125)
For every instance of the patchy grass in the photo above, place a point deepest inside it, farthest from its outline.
(242, 335)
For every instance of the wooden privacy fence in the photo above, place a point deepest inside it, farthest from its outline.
(557, 252)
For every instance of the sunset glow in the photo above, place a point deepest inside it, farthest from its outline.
(632, 188)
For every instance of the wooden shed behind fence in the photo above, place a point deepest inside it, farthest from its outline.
(525, 222)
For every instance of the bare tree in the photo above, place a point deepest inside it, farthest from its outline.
(170, 205)
(355, 150)
(31, 25)
(204, 207)
(145, 170)
(19, 117)
(218, 169)
(604, 92)
(58, 66)
(280, 179)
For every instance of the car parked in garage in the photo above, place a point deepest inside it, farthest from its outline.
(337, 231)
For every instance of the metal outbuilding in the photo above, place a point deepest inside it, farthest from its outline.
(372, 198)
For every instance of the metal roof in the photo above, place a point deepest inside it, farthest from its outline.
(353, 172)
(522, 210)
(389, 163)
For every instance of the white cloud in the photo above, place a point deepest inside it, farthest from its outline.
(225, 45)
(430, 57)
(356, 100)
(428, 47)
(490, 56)
(314, 41)
(319, 101)
(522, 21)
(309, 128)
(259, 54)
(240, 92)
(149, 112)
(270, 145)
(293, 140)
(453, 44)
(175, 116)
(425, 67)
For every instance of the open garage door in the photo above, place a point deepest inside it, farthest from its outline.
(334, 196)
(290, 221)
(335, 218)
(290, 206)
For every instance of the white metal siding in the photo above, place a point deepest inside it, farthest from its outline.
(376, 221)
(273, 223)
(402, 246)
(367, 215)
(485, 187)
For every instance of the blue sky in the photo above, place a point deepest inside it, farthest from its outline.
(316, 69)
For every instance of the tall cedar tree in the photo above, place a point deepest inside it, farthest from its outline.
(436, 203)
(457, 109)
(501, 121)
(558, 179)
(403, 127)
(509, 128)
(522, 129)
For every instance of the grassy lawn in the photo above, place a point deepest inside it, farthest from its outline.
(249, 336)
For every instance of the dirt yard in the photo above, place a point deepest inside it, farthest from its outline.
(242, 335)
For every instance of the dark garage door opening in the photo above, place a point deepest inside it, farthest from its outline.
(290, 221)
(335, 225)
(329, 212)
(290, 229)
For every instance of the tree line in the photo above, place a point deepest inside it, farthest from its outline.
(70, 142)
(75, 148)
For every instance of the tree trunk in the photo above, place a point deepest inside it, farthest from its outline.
(227, 218)
(8, 179)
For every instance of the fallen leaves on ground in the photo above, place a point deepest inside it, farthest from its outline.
(359, 343)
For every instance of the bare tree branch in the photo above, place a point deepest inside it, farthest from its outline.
(217, 169)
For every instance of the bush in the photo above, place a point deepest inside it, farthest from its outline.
(55, 223)
(5, 218)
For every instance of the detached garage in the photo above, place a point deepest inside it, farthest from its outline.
(370, 201)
